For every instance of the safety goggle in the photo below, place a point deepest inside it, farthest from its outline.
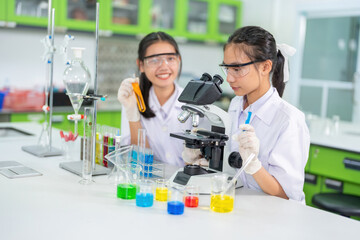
(237, 70)
(171, 59)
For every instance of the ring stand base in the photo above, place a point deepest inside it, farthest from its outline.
(76, 168)
(42, 151)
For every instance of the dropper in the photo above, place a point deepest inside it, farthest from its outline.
(237, 175)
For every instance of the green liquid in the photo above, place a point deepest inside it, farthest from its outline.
(126, 191)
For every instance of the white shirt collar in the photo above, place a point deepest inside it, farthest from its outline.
(166, 108)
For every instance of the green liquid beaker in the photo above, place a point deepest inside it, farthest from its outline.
(126, 191)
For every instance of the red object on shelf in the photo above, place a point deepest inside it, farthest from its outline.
(23, 100)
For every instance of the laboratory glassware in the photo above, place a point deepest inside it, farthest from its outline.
(175, 204)
(76, 79)
(161, 193)
(191, 196)
(127, 174)
(222, 196)
(145, 195)
(88, 145)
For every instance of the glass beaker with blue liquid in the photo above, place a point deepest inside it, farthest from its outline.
(175, 204)
(145, 194)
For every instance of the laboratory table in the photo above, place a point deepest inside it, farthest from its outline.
(56, 206)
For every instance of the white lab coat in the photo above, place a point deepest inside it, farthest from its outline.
(284, 140)
(165, 148)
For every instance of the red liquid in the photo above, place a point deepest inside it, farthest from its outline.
(105, 149)
(191, 201)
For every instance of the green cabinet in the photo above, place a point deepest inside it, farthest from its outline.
(331, 170)
(29, 12)
(2, 11)
(199, 20)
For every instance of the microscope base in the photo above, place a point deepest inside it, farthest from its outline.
(203, 180)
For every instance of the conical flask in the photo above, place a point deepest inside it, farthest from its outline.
(76, 80)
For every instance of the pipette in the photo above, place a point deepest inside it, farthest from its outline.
(237, 175)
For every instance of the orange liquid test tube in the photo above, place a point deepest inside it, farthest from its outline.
(139, 97)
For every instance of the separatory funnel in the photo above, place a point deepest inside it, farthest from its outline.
(76, 79)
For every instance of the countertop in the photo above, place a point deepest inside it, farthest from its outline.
(56, 206)
(345, 137)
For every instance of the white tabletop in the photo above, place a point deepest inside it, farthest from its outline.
(56, 206)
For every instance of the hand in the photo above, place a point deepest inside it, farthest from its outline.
(191, 156)
(127, 98)
(248, 143)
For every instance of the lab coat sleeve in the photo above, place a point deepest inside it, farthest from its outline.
(125, 128)
(288, 158)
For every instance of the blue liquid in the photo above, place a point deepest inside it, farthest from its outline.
(144, 199)
(175, 207)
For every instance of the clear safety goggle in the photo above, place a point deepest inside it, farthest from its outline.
(171, 59)
(237, 70)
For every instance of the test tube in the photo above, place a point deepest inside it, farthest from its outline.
(145, 195)
(191, 196)
(98, 145)
(221, 201)
(105, 144)
(161, 193)
(175, 205)
(141, 147)
(87, 146)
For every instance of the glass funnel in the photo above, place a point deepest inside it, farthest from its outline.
(125, 174)
(76, 79)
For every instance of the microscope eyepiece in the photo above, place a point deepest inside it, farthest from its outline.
(206, 77)
(218, 79)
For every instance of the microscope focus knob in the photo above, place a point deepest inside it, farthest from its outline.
(235, 160)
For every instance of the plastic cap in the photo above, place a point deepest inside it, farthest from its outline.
(77, 51)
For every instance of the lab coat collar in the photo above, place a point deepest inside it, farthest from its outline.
(172, 101)
(260, 108)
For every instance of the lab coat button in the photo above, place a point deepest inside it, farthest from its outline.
(164, 128)
(168, 156)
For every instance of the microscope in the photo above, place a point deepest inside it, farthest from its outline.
(214, 130)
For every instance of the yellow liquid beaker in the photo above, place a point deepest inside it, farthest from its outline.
(221, 203)
(161, 194)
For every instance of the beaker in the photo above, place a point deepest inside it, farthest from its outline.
(191, 196)
(175, 205)
(126, 173)
(161, 193)
(145, 195)
(221, 201)
(89, 130)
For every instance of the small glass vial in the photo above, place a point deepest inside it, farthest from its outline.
(145, 195)
(191, 196)
(175, 204)
(222, 196)
(161, 193)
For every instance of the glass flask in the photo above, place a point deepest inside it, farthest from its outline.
(125, 175)
(76, 79)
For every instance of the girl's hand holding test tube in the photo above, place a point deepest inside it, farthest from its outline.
(127, 98)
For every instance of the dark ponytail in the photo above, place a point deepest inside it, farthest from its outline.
(260, 45)
(145, 83)
(278, 74)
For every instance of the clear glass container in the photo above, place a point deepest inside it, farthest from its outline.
(145, 194)
(222, 195)
(191, 196)
(161, 193)
(175, 204)
(76, 79)
(87, 165)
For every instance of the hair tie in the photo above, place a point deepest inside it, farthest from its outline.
(287, 51)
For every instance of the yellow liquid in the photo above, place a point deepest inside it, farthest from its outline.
(161, 194)
(222, 204)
